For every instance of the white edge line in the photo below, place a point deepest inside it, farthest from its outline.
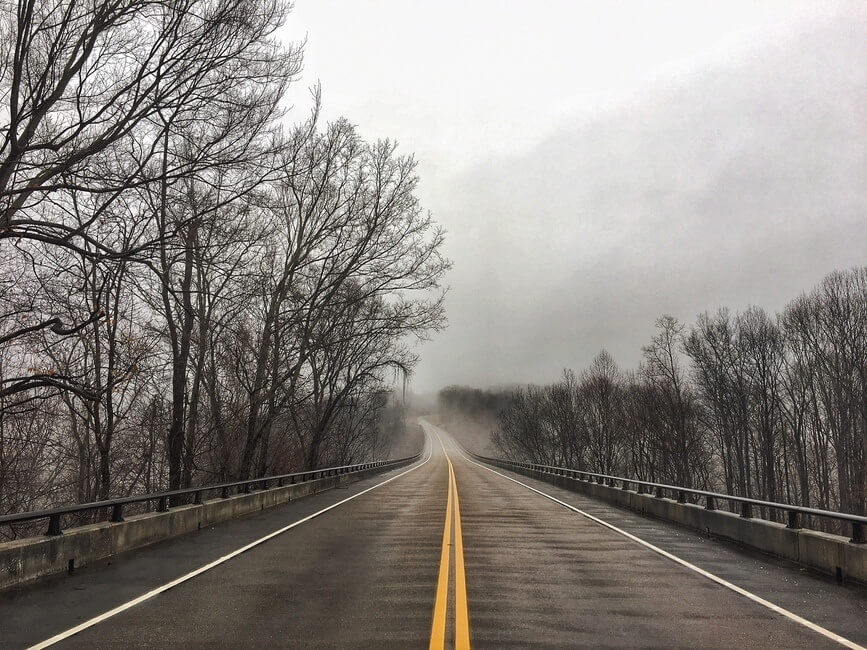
(192, 574)
(707, 574)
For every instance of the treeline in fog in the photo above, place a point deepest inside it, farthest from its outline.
(190, 289)
(481, 404)
(769, 407)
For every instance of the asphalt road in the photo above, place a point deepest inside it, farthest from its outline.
(374, 571)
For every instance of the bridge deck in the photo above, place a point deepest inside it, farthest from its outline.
(365, 574)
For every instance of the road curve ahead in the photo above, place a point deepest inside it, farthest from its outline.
(444, 554)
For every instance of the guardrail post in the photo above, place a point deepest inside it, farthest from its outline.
(709, 504)
(117, 513)
(681, 496)
(163, 505)
(746, 510)
(246, 488)
(224, 493)
(858, 533)
(659, 493)
(197, 497)
(624, 485)
(793, 520)
(53, 525)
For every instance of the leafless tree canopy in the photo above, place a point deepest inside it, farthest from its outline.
(190, 289)
(773, 408)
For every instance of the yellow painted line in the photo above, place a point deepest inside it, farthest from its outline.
(462, 618)
(462, 614)
(438, 631)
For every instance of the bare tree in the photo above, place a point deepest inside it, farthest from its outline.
(346, 217)
(601, 394)
(85, 89)
(772, 408)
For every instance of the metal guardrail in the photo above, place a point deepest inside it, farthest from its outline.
(166, 500)
(660, 490)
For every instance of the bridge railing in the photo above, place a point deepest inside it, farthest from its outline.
(169, 498)
(745, 505)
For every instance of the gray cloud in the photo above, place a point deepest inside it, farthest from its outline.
(742, 184)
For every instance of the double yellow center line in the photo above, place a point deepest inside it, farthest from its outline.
(462, 619)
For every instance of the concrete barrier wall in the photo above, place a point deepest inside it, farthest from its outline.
(830, 554)
(26, 559)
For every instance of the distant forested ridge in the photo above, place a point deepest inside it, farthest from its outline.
(772, 407)
(473, 401)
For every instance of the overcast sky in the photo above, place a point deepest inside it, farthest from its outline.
(597, 164)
